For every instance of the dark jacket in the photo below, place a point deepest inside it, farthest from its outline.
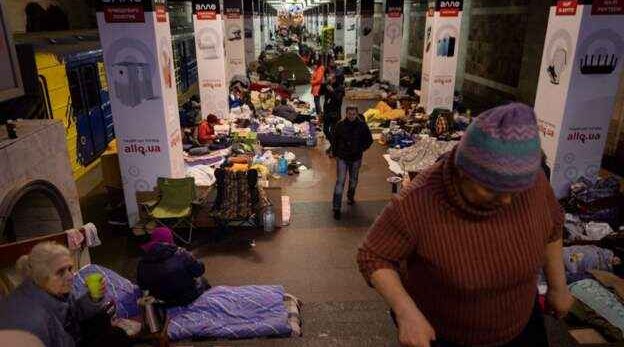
(285, 111)
(169, 273)
(351, 139)
(55, 322)
(334, 95)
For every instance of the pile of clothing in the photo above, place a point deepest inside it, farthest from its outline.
(424, 153)
(593, 255)
(383, 112)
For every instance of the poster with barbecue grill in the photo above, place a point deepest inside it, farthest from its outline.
(234, 37)
(579, 78)
(392, 41)
(138, 59)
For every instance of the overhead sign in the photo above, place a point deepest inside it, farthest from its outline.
(206, 9)
(608, 7)
(566, 7)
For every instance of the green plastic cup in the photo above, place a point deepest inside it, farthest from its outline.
(94, 284)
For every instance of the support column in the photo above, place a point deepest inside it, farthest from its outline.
(392, 42)
(250, 46)
(351, 31)
(138, 58)
(331, 15)
(579, 76)
(213, 90)
(365, 37)
(407, 10)
(257, 29)
(234, 38)
(339, 37)
(442, 34)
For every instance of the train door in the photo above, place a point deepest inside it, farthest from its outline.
(91, 109)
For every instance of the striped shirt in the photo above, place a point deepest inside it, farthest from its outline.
(472, 273)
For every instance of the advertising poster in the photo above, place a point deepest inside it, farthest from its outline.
(365, 37)
(250, 47)
(339, 36)
(351, 32)
(234, 38)
(441, 47)
(579, 78)
(392, 41)
(257, 27)
(209, 35)
(138, 56)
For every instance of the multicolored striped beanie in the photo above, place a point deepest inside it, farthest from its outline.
(501, 149)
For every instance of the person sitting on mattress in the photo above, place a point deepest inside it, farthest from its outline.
(170, 273)
(44, 304)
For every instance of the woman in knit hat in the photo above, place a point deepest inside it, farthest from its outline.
(474, 231)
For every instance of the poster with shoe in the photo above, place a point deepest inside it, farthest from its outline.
(365, 37)
(234, 32)
(137, 52)
(441, 47)
(392, 41)
(351, 31)
(579, 78)
(211, 62)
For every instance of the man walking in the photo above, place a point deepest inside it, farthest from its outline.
(334, 94)
(352, 138)
(473, 231)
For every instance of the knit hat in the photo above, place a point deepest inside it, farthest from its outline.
(501, 149)
(159, 235)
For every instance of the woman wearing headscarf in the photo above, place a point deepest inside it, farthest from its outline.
(44, 305)
(170, 273)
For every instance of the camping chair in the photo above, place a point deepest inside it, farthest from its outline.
(239, 200)
(175, 206)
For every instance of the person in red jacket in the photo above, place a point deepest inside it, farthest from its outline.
(318, 77)
(473, 232)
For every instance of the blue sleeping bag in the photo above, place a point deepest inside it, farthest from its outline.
(220, 313)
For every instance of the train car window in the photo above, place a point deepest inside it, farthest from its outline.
(75, 90)
(91, 86)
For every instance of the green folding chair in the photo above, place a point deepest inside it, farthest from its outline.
(176, 205)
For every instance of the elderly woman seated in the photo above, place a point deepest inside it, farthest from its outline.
(45, 306)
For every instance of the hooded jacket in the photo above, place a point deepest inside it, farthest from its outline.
(351, 139)
(54, 321)
(169, 273)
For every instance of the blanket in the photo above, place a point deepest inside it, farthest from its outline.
(232, 313)
(220, 313)
(120, 291)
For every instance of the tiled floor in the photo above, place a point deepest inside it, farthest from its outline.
(313, 258)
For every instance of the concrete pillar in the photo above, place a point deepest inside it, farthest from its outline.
(234, 37)
(138, 56)
(365, 37)
(579, 78)
(392, 41)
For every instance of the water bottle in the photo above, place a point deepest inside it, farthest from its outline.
(268, 219)
(282, 166)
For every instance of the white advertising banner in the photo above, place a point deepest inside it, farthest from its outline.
(250, 47)
(442, 33)
(392, 41)
(350, 28)
(339, 34)
(365, 37)
(579, 76)
(234, 38)
(209, 34)
(257, 34)
(138, 58)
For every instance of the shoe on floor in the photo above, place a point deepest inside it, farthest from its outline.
(337, 214)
